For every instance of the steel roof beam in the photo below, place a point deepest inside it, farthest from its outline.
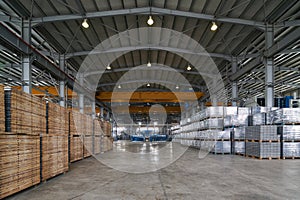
(161, 68)
(134, 48)
(201, 87)
(146, 11)
(279, 46)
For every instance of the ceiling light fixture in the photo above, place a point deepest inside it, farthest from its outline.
(85, 24)
(108, 67)
(149, 64)
(188, 68)
(214, 26)
(150, 21)
(148, 85)
(119, 86)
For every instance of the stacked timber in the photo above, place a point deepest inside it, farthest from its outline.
(55, 143)
(57, 119)
(88, 135)
(20, 146)
(26, 113)
(102, 136)
(19, 162)
(76, 136)
(98, 133)
(54, 155)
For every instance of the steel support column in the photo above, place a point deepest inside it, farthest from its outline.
(234, 83)
(62, 82)
(93, 109)
(81, 96)
(269, 68)
(26, 62)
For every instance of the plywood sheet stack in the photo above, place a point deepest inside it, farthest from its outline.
(55, 143)
(38, 115)
(76, 136)
(107, 128)
(57, 119)
(88, 135)
(88, 145)
(55, 155)
(20, 145)
(19, 162)
(98, 133)
(106, 144)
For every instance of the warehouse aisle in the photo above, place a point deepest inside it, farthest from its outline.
(215, 177)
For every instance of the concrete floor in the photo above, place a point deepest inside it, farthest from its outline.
(215, 177)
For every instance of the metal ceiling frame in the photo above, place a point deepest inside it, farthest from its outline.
(146, 11)
(150, 47)
(157, 81)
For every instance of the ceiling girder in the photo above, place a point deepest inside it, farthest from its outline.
(289, 39)
(161, 68)
(147, 11)
(147, 47)
(201, 87)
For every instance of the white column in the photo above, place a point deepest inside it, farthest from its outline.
(62, 101)
(269, 68)
(93, 109)
(26, 62)
(234, 83)
(81, 96)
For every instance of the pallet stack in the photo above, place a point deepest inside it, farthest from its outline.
(19, 162)
(106, 141)
(76, 136)
(262, 142)
(27, 113)
(88, 135)
(55, 143)
(20, 147)
(98, 134)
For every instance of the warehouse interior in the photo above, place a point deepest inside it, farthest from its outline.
(149, 99)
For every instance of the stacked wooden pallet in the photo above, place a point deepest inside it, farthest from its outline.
(27, 113)
(106, 144)
(57, 119)
(76, 136)
(97, 141)
(98, 127)
(88, 145)
(98, 133)
(54, 155)
(55, 143)
(19, 162)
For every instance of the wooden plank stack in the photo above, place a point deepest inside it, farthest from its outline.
(19, 162)
(57, 119)
(76, 148)
(76, 136)
(55, 155)
(106, 144)
(88, 146)
(20, 148)
(27, 113)
(98, 133)
(55, 143)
